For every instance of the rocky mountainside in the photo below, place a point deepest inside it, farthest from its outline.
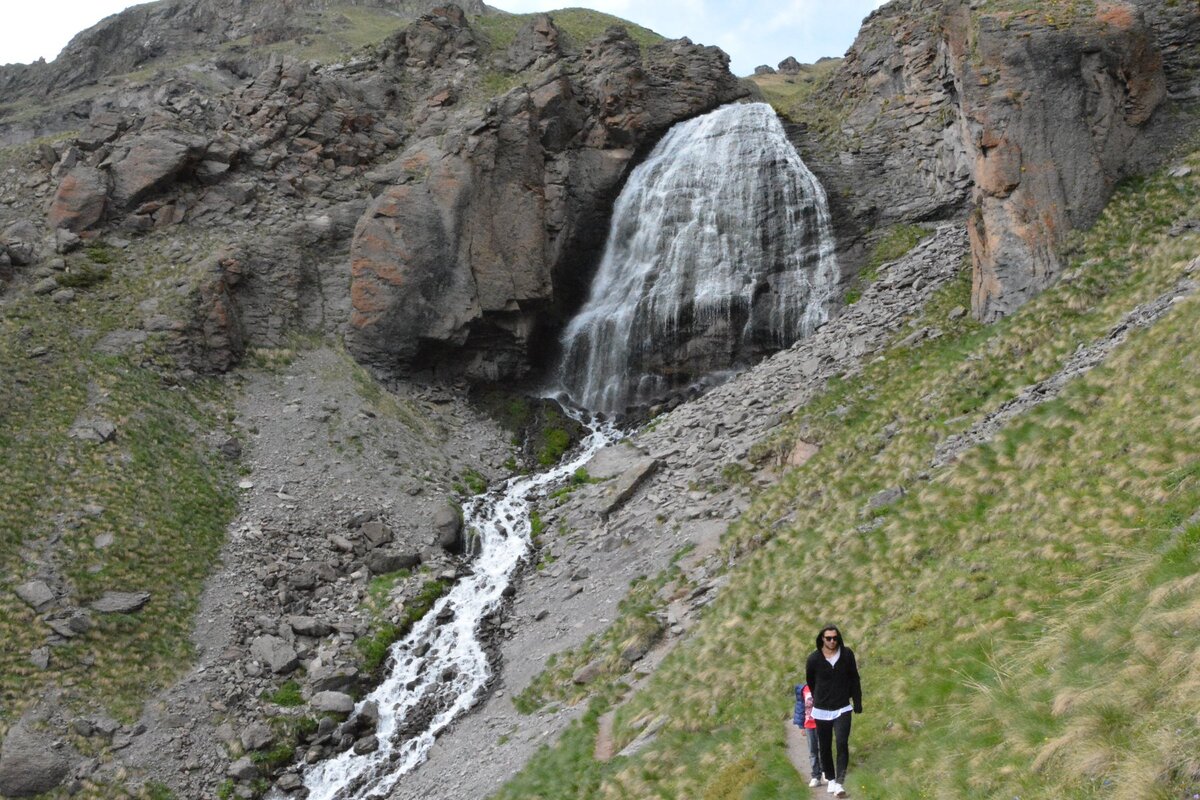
(273, 274)
(1025, 117)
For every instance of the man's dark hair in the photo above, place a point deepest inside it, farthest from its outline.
(833, 628)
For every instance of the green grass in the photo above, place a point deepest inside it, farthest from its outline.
(787, 93)
(892, 243)
(580, 25)
(287, 695)
(555, 442)
(1010, 610)
(373, 648)
(165, 495)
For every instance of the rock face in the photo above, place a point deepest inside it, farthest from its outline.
(1053, 118)
(1027, 125)
(143, 33)
(490, 232)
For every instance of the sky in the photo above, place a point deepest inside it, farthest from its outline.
(753, 32)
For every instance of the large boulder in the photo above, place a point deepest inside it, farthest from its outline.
(31, 763)
(150, 163)
(80, 200)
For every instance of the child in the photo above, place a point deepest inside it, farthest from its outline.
(802, 717)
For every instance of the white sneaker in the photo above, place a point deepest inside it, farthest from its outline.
(815, 782)
(833, 787)
(836, 789)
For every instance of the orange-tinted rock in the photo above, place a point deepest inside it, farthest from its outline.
(80, 200)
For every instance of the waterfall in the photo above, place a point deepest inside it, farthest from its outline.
(720, 250)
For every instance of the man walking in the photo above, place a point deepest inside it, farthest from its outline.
(832, 675)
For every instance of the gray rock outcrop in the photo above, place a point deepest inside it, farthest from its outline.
(31, 763)
(944, 109)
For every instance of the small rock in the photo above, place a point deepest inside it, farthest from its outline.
(376, 533)
(335, 702)
(275, 653)
(447, 524)
(40, 657)
(97, 430)
(231, 448)
(257, 736)
(121, 602)
(588, 672)
(367, 744)
(381, 562)
(243, 769)
(310, 626)
(36, 594)
(885, 498)
(45, 286)
(29, 765)
(289, 782)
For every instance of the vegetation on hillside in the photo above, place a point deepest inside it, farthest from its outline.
(1027, 619)
(788, 94)
(581, 25)
(145, 511)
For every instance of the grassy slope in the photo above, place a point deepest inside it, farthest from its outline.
(162, 490)
(788, 94)
(1011, 610)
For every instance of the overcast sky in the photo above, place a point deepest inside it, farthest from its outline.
(753, 32)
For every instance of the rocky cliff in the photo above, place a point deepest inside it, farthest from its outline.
(1022, 117)
(480, 219)
(490, 233)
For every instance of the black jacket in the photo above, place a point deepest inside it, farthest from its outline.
(837, 686)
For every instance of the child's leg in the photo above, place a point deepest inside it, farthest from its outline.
(814, 751)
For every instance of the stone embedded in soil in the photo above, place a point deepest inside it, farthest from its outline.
(30, 763)
(588, 672)
(309, 626)
(257, 737)
(121, 602)
(243, 769)
(381, 562)
(36, 594)
(335, 702)
(276, 654)
(376, 533)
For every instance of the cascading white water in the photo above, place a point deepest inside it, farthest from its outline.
(720, 249)
(444, 664)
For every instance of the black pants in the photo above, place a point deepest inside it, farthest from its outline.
(827, 731)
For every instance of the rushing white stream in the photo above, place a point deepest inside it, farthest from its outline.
(720, 249)
(445, 664)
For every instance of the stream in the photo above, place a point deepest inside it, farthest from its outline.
(440, 670)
